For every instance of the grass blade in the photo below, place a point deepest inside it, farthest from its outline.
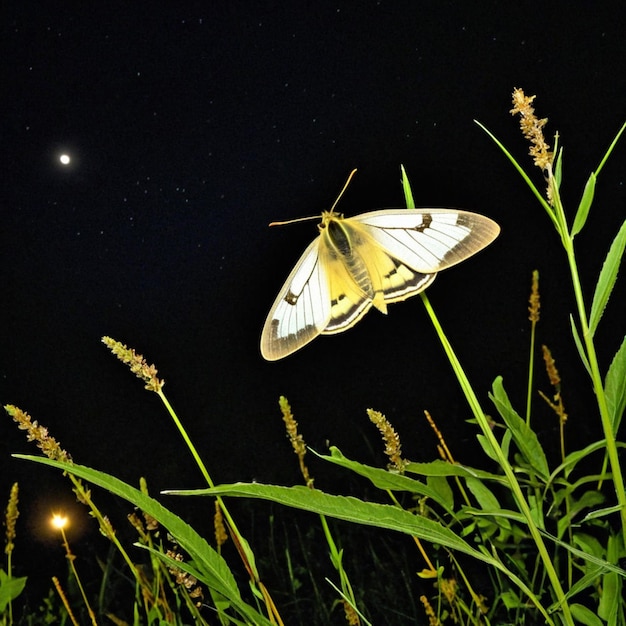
(615, 386)
(524, 437)
(579, 345)
(607, 278)
(406, 187)
(585, 204)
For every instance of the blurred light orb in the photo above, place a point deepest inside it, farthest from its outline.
(65, 159)
(59, 521)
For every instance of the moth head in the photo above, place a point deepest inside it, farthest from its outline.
(327, 218)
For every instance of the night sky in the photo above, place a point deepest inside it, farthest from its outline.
(189, 129)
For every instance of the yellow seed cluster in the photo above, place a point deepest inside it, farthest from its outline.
(433, 620)
(11, 519)
(296, 439)
(183, 578)
(393, 447)
(556, 404)
(553, 373)
(532, 128)
(534, 303)
(221, 536)
(352, 617)
(39, 434)
(136, 362)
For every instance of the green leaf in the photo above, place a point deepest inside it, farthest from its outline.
(384, 479)
(588, 500)
(505, 444)
(485, 444)
(538, 194)
(10, 589)
(211, 567)
(406, 186)
(524, 437)
(612, 584)
(615, 386)
(484, 496)
(349, 509)
(605, 565)
(440, 485)
(573, 458)
(607, 278)
(367, 513)
(584, 615)
(443, 468)
(599, 513)
(579, 345)
(590, 579)
(610, 148)
(558, 164)
(584, 206)
(589, 544)
(512, 601)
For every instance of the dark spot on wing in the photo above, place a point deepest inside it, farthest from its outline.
(427, 220)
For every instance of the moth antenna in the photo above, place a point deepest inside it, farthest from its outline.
(315, 217)
(350, 177)
(297, 219)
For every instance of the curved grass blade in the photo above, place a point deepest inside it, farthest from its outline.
(585, 204)
(579, 345)
(607, 278)
(615, 386)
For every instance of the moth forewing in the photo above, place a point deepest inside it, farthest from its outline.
(429, 240)
(301, 309)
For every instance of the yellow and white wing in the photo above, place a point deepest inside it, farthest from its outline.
(364, 261)
(301, 309)
(427, 240)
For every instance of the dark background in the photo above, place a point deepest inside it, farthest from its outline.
(191, 126)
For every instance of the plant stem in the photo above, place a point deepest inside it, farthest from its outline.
(531, 368)
(70, 557)
(598, 387)
(523, 506)
(243, 548)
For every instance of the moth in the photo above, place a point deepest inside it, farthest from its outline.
(368, 260)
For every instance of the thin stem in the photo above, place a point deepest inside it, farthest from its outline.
(243, 547)
(598, 387)
(531, 368)
(187, 439)
(70, 558)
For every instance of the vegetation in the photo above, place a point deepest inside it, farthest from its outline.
(548, 529)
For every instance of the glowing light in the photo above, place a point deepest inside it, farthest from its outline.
(65, 159)
(59, 521)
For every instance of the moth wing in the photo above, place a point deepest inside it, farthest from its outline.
(301, 310)
(429, 240)
(419, 243)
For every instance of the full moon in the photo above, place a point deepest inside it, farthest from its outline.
(65, 159)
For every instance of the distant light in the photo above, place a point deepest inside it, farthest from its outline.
(59, 521)
(65, 159)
